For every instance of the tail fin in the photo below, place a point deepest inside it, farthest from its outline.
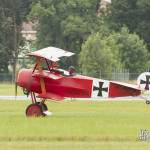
(143, 81)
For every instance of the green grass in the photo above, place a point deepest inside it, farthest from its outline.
(69, 145)
(75, 125)
(9, 89)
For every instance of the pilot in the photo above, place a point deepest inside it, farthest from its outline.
(54, 65)
(72, 71)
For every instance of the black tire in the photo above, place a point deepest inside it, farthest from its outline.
(147, 102)
(34, 110)
(44, 106)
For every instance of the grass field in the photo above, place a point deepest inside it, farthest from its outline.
(9, 89)
(75, 125)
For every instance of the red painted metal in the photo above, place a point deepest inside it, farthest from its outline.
(58, 84)
(118, 90)
(60, 88)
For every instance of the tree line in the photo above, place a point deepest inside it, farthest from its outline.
(118, 38)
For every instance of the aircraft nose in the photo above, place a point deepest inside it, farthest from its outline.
(23, 77)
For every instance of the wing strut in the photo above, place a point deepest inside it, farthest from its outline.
(39, 68)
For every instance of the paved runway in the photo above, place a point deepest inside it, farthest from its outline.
(5, 97)
(13, 98)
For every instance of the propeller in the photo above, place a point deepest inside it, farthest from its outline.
(16, 90)
(16, 86)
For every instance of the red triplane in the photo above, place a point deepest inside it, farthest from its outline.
(56, 84)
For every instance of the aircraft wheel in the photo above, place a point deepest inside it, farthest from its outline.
(147, 102)
(34, 110)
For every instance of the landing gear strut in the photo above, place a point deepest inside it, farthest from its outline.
(147, 100)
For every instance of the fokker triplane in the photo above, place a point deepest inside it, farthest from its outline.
(57, 84)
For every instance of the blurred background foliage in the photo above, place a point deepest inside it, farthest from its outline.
(103, 39)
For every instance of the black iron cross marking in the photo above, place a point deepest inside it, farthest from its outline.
(100, 88)
(147, 82)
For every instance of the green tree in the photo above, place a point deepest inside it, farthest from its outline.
(135, 14)
(99, 56)
(102, 53)
(64, 23)
(133, 51)
(9, 33)
(12, 13)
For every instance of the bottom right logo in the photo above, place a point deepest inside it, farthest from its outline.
(144, 135)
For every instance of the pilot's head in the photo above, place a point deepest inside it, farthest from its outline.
(55, 64)
(72, 71)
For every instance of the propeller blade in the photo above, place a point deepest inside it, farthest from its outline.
(16, 86)
(16, 90)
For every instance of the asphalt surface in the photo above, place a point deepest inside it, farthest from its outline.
(13, 98)
(5, 97)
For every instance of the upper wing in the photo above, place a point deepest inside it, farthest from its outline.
(51, 53)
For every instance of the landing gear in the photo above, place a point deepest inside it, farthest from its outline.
(37, 109)
(147, 102)
(147, 99)
(34, 110)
